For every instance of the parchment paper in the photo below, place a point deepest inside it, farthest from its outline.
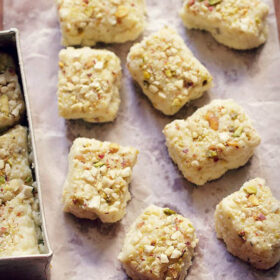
(88, 249)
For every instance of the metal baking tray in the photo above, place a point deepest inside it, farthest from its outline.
(29, 266)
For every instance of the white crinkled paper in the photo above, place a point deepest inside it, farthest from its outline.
(89, 249)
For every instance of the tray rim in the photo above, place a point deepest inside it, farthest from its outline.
(14, 32)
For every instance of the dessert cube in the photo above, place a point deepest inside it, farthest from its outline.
(237, 24)
(86, 22)
(159, 245)
(248, 221)
(11, 100)
(19, 219)
(89, 82)
(14, 160)
(216, 138)
(167, 71)
(97, 182)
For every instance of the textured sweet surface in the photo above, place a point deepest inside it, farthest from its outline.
(86, 249)
(167, 71)
(98, 178)
(19, 220)
(89, 82)
(159, 245)
(14, 162)
(11, 100)
(239, 24)
(249, 223)
(216, 138)
(86, 22)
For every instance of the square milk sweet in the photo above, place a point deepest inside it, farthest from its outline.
(217, 137)
(19, 219)
(97, 182)
(237, 24)
(88, 85)
(87, 22)
(248, 221)
(12, 105)
(167, 71)
(159, 245)
(14, 156)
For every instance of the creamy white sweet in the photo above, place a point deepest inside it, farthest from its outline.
(14, 162)
(238, 24)
(20, 232)
(248, 221)
(167, 71)
(11, 100)
(86, 22)
(97, 182)
(159, 245)
(216, 138)
(88, 86)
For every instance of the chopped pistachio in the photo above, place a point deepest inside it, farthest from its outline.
(168, 73)
(2, 180)
(98, 164)
(250, 189)
(176, 102)
(168, 212)
(211, 153)
(28, 180)
(238, 132)
(233, 115)
(214, 2)
(146, 75)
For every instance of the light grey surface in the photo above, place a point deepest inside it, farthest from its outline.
(88, 250)
(32, 266)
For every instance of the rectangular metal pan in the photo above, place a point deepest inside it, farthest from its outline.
(30, 266)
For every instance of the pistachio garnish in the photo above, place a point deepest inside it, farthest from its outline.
(211, 153)
(168, 73)
(146, 75)
(98, 164)
(214, 2)
(2, 180)
(28, 180)
(250, 189)
(176, 102)
(168, 212)
(238, 132)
